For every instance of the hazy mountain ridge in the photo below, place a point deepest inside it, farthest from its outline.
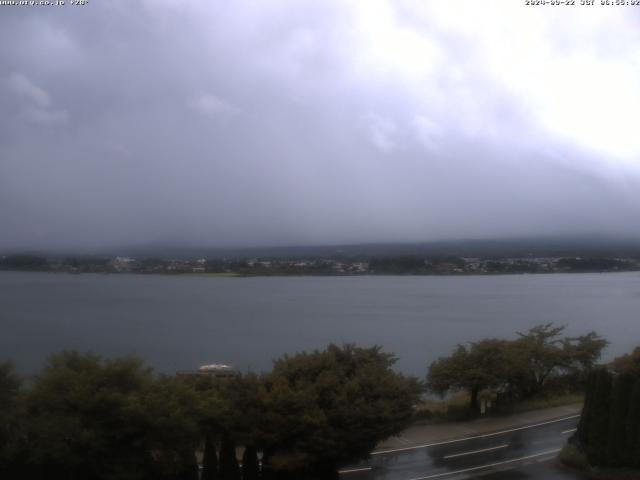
(586, 246)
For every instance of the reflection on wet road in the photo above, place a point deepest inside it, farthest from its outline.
(515, 453)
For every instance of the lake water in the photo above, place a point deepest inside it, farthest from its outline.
(180, 322)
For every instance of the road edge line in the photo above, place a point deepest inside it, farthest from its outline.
(490, 465)
(474, 437)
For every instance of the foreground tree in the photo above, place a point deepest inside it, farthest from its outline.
(330, 407)
(86, 417)
(620, 399)
(209, 459)
(487, 364)
(583, 352)
(548, 355)
(250, 467)
(517, 368)
(169, 411)
(609, 428)
(229, 468)
(599, 428)
(10, 385)
(632, 437)
(628, 363)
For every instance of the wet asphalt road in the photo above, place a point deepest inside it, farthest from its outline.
(519, 453)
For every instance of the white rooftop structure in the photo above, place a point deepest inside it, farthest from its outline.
(216, 367)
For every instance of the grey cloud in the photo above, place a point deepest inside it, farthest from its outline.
(277, 123)
(212, 106)
(25, 88)
(381, 130)
(35, 103)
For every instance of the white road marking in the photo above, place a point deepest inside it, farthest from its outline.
(490, 465)
(568, 431)
(474, 437)
(455, 455)
(354, 470)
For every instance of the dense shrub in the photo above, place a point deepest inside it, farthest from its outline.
(573, 457)
(609, 428)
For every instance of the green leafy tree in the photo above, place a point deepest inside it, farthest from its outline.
(544, 355)
(541, 349)
(243, 408)
(87, 417)
(80, 420)
(487, 364)
(583, 352)
(10, 385)
(628, 363)
(517, 368)
(330, 407)
(170, 411)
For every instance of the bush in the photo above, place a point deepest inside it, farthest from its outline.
(460, 413)
(423, 415)
(572, 457)
(331, 407)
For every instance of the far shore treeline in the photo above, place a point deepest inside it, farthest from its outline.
(360, 264)
(84, 416)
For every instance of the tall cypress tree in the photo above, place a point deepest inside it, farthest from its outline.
(599, 422)
(210, 459)
(188, 466)
(267, 472)
(632, 447)
(587, 409)
(620, 398)
(250, 470)
(229, 468)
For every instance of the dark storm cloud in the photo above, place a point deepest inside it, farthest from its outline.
(218, 123)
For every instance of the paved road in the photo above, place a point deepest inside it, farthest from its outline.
(546, 470)
(515, 453)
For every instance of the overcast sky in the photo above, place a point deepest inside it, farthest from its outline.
(275, 122)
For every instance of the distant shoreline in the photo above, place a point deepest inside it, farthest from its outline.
(312, 275)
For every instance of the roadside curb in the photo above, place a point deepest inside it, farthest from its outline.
(419, 436)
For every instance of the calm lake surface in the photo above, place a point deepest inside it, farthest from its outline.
(184, 321)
